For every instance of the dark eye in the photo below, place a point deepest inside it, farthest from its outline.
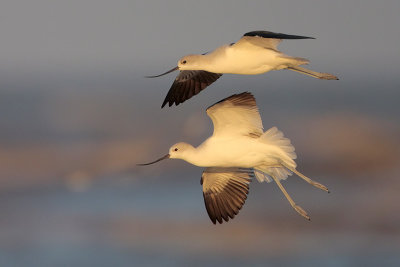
(184, 62)
(176, 149)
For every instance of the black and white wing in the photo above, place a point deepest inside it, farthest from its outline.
(225, 191)
(266, 39)
(236, 115)
(187, 84)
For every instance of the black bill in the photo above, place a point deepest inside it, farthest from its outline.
(160, 159)
(171, 70)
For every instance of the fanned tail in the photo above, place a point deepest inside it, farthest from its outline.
(286, 154)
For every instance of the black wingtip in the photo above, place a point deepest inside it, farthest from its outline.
(275, 35)
(170, 104)
(188, 84)
(168, 101)
(245, 98)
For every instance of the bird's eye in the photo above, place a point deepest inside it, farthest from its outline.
(176, 149)
(184, 62)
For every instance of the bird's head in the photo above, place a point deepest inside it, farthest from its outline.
(177, 151)
(190, 62)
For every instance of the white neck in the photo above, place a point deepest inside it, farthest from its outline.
(193, 156)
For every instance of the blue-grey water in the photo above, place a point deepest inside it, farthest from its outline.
(123, 221)
(71, 195)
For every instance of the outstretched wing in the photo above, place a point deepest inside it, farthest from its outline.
(266, 39)
(236, 115)
(225, 191)
(187, 84)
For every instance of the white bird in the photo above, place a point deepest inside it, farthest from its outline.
(255, 53)
(238, 150)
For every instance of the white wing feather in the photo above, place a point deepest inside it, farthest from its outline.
(236, 115)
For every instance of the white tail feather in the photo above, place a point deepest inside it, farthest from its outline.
(302, 61)
(285, 154)
(275, 137)
(294, 61)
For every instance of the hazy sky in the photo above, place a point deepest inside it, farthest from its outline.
(92, 55)
(91, 34)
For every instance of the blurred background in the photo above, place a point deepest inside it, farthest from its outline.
(77, 115)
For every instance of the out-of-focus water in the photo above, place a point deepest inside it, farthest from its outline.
(123, 220)
(70, 193)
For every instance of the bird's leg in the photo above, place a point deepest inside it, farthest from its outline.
(319, 75)
(292, 203)
(305, 178)
(308, 180)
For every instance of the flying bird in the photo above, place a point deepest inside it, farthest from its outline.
(255, 53)
(237, 151)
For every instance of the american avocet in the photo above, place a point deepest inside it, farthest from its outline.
(238, 150)
(255, 53)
